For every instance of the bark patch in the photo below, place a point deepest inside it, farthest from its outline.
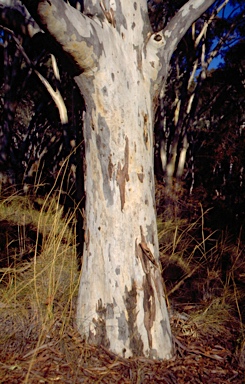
(122, 174)
(99, 337)
(130, 300)
(122, 328)
(103, 153)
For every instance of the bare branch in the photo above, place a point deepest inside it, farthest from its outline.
(76, 33)
(182, 21)
(209, 21)
(55, 94)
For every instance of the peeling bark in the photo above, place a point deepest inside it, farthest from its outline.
(149, 305)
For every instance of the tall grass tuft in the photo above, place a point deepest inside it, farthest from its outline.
(38, 278)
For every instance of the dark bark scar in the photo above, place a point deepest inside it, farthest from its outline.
(149, 305)
(86, 230)
(110, 168)
(122, 174)
(145, 130)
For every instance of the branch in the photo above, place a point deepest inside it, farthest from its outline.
(76, 33)
(223, 40)
(182, 21)
(165, 42)
(56, 96)
(206, 24)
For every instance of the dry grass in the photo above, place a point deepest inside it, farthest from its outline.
(204, 276)
(37, 295)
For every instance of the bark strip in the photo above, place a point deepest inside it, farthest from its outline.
(122, 174)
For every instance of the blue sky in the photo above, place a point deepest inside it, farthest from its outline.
(218, 59)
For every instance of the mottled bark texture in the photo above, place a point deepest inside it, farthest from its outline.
(123, 67)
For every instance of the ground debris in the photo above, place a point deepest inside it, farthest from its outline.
(71, 360)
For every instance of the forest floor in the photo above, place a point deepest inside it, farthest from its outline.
(67, 359)
(39, 342)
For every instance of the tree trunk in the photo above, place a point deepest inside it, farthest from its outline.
(123, 66)
(121, 300)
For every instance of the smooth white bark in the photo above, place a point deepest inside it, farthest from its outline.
(123, 305)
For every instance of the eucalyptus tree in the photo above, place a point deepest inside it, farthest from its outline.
(120, 65)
